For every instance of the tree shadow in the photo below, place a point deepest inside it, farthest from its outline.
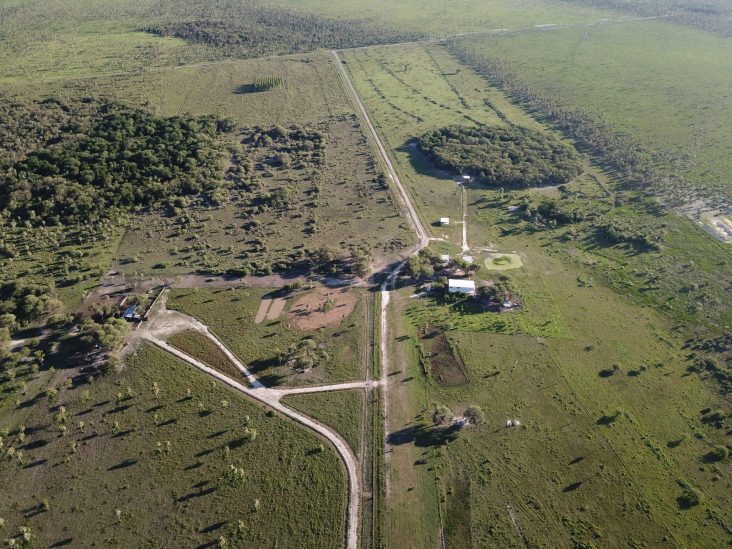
(424, 436)
(123, 465)
(213, 527)
(35, 445)
(193, 495)
(572, 487)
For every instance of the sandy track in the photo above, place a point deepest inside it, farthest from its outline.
(165, 322)
(422, 242)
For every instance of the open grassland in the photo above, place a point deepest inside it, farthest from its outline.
(200, 347)
(145, 456)
(44, 39)
(230, 316)
(311, 91)
(440, 18)
(598, 461)
(685, 279)
(567, 392)
(340, 410)
(665, 86)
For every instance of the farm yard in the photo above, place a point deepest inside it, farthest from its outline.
(569, 322)
(365, 274)
(267, 347)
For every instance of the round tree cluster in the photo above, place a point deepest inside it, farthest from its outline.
(503, 156)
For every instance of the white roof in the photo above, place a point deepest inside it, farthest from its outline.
(445, 257)
(466, 177)
(444, 219)
(468, 258)
(461, 283)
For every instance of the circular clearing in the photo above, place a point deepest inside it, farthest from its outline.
(322, 307)
(503, 262)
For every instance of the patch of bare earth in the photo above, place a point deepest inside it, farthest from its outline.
(322, 307)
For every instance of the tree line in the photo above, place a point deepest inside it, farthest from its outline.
(257, 31)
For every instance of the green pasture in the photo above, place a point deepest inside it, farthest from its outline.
(576, 472)
(144, 457)
(665, 86)
(341, 410)
(229, 313)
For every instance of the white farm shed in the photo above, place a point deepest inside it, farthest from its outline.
(444, 221)
(460, 286)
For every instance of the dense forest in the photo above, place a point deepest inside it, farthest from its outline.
(260, 31)
(77, 162)
(503, 156)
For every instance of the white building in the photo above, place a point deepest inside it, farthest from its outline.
(445, 258)
(460, 286)
(444, 221)
(468, 259)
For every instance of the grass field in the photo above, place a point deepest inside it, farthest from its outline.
(341, 410)
(200, 347)
(133, 467)
(93, 37)
(673, 98)
(230, 315)
(553, 362)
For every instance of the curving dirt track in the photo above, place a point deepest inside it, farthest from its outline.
(165, 322)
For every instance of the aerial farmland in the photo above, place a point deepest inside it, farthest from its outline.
(365, 274)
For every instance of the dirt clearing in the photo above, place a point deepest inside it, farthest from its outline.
(445, 365)
(263, 310)
(275, 310)
(322, 307)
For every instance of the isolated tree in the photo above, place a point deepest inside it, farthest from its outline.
(474, 414)
(441, 415)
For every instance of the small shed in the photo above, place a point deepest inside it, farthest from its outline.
(445, 258)
(444, 221)
(468, 259)
(460, 286)
(466, 178)
(130, 313)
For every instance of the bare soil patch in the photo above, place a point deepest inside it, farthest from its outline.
(276, 309)
(264, 306)
(445, 365)
(322, 307)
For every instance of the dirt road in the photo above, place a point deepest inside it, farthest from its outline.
(164, 322)
(422, 242)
